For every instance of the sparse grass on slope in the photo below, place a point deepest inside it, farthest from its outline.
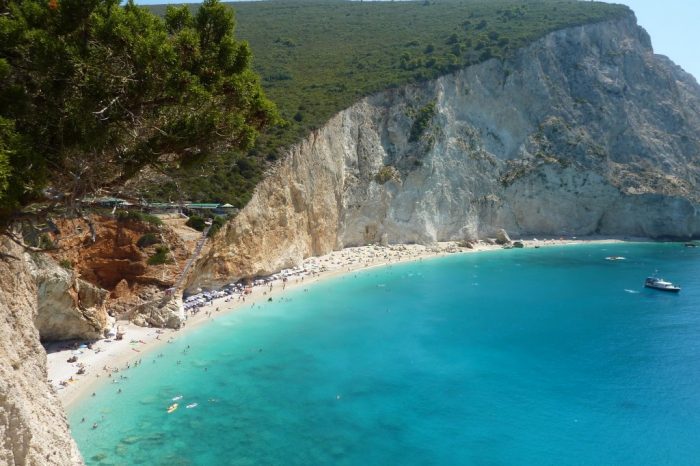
(319, 57)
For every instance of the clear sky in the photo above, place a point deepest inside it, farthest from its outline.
(674, 26)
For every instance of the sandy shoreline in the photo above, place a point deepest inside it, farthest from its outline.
(105, 357)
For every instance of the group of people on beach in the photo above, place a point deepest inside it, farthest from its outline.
(207, 301)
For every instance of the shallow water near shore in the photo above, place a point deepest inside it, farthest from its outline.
(535, 356)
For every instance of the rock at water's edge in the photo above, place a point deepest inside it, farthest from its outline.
(502, 237)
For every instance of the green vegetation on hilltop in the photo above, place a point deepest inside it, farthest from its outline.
(319, 57)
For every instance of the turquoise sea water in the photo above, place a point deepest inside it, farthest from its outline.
(536, 356)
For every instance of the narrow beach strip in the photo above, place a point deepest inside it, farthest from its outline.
(106, 360)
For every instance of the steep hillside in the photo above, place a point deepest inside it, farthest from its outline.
(586, 131)
(317, 58)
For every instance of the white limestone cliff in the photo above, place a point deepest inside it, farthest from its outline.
(585, 131)
(33, 426)
(68, 307)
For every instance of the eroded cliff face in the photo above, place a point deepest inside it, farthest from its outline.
(67, 307)
(111, 272)
(33, 427)
(40, 299)
(584, 132)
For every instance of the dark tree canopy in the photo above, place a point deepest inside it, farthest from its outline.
(91, 92)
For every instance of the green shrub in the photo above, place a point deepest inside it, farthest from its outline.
(199, 223)
(216, 225)
(425, 114)
(385, 174)
(152, 219)
(45, 242)
(196, 222)
(148, 239)
(66, 264)
(161, 256)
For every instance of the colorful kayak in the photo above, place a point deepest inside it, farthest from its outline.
(172, 408)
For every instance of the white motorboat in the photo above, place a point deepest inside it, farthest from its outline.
(661, 284)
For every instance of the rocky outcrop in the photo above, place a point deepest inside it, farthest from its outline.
(163, 312)
(42, 300)
(118, 252)
(502, 236)
(116, 259)
(585, 131)
(68, 307)
(33, 427)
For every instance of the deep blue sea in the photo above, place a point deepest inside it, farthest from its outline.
(550, 356)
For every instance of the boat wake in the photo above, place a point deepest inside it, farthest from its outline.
(631, 291)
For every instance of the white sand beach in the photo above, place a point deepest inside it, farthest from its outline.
(107, 357)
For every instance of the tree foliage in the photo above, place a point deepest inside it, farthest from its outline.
(91, 92)
(197, 222)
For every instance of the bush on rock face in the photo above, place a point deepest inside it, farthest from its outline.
(148, 239)
(161, 256)
(386, 174)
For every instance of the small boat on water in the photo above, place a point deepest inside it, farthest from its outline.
(661, 284)
(191, 405)
(615, 258)
(172, 408)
